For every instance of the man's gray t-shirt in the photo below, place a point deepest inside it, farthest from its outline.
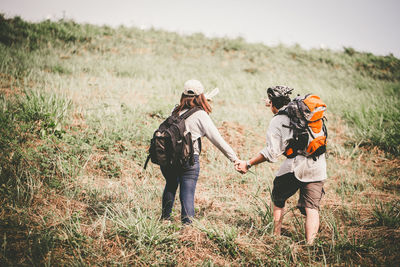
(305, 169)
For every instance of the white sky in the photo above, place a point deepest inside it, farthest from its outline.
(366, 25)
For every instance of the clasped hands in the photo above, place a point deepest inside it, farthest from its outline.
(241, 166)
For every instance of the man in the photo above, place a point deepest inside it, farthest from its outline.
(300, 172)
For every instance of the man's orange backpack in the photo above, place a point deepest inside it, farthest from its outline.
(307, 121)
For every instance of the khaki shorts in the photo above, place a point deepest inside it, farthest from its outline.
(287, 185)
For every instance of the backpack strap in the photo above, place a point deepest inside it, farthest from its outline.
(324, 126)
(189, 112)
(147, 161)
(282, 112)
(186, 115)
(199, 141)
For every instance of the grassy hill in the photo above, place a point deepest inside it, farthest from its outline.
(79, 104)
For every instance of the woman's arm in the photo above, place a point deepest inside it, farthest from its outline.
(212, 133)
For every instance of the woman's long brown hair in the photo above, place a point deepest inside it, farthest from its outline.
(188, 102)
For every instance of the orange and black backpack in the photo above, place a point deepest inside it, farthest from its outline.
(307, 120)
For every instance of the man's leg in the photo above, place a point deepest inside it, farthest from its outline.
(309, 202)
(312, 224)
(285, 186)
(278, 218)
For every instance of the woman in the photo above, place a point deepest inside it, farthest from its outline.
(199, 124)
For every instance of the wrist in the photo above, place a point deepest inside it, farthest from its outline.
(248, 164)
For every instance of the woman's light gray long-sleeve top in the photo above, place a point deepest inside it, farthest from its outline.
(200, 124)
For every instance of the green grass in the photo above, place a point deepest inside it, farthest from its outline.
(17, 32)
(24, 119)
(79, 103)
(387, 214)
(224, 238)
(376, 122)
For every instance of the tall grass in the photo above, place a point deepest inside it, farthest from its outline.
(387, 214)
(23, 119)
(376, 121)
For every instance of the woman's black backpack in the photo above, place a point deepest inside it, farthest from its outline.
(171, 145)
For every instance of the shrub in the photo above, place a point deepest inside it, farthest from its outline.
(17, 32)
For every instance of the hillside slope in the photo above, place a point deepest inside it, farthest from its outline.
(80, 103)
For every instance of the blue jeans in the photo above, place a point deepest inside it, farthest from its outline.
(186, 177)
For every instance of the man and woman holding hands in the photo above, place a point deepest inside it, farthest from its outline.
(296, 173)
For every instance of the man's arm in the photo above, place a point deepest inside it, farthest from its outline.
(243, 166)
(276, 143)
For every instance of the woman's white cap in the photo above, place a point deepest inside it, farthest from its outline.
(193, 88)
